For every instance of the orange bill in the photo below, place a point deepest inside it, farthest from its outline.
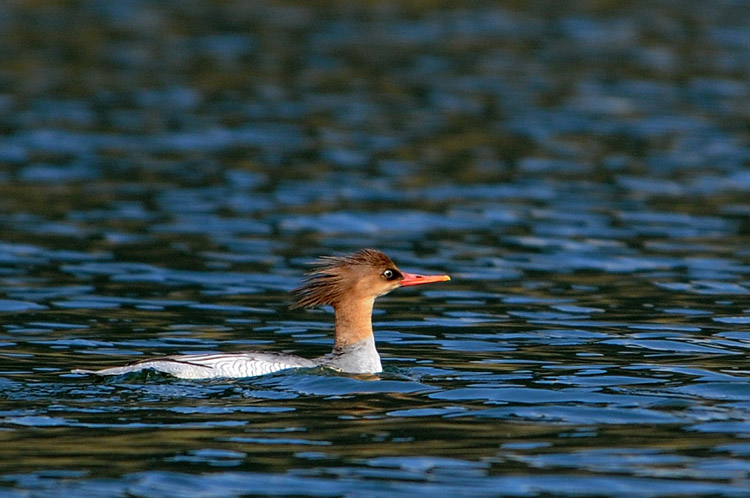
(414, 279)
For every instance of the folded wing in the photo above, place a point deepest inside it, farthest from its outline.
(211, 366)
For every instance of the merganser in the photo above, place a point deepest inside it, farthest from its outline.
(348, 283)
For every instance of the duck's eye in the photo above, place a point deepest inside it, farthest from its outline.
(389, 274)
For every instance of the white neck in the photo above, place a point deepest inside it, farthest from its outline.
(360, 357)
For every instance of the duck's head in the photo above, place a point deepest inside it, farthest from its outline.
(363, 275)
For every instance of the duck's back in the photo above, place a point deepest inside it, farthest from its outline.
(208, 366)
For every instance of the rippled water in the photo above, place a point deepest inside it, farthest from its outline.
(167, 169)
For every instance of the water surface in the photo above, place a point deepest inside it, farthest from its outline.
(167, 170)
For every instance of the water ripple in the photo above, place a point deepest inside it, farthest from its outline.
(168, 173)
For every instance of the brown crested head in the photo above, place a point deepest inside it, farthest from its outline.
(365, 274)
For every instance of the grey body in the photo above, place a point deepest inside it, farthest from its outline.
(359, 358)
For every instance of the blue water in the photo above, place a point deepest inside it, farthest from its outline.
(169, 169)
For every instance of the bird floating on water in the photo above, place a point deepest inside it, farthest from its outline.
(348, 283)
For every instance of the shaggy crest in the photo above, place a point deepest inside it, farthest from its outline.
(327, 283)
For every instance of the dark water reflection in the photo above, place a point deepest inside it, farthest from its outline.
(167, 169)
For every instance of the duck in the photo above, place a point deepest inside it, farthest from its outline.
(349, 283)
